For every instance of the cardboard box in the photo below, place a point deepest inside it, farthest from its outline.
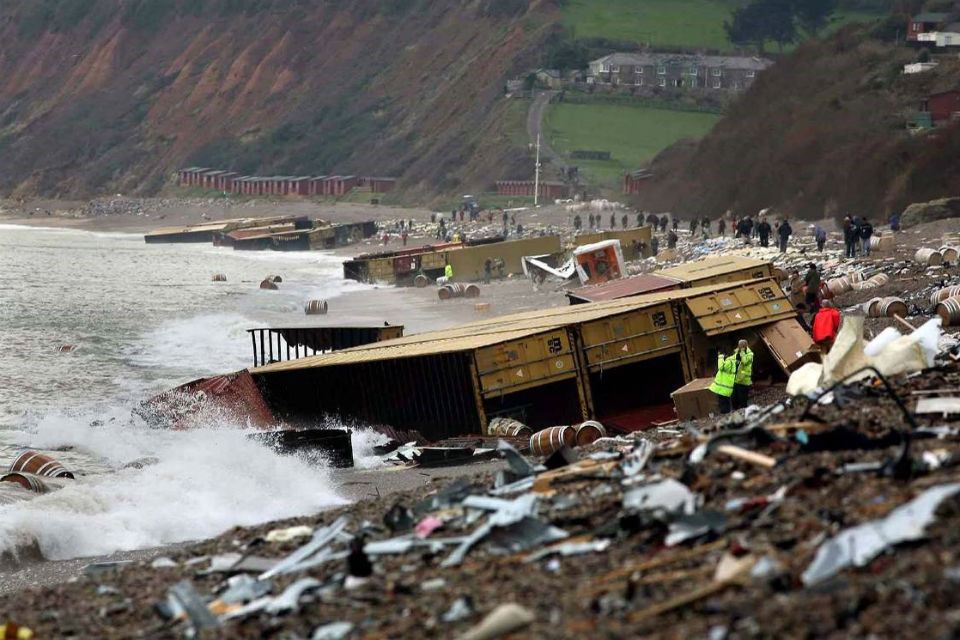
(695, 400)
(789, 344)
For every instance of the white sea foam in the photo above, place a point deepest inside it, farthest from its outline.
(211, 342)
(206, 481)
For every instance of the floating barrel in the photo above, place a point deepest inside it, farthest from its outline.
(928, 257)
(276, 279)
(219, 277)
(39, 464)
(872, 307)
(269, 284)
(315, 307)
(590, 431)
(452, 290)
(892, 306)
(949, 311)
(949, 254)
(839, 286)
(66, 348)
(420, 281)
(545, 442)
(942, 294)
(508, 427)
(27, 481)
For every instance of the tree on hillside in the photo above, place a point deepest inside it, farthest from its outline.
(778, 21)
(814, 15)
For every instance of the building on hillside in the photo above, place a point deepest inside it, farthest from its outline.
(925, 23)
(549, 78)
(555, 190)
(652, 72)
(634, 181)
(947, 39)
(942, 106)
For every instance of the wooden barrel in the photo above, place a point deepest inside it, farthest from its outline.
(949, 254)
(315, 308)
(839, 286)
(39, 464)
(545, 442)
(590, 431)
(942, 294)
(219, 277)
(928, 257)
(892, 306)
(780, 274)
(879, 279)
(420, 281)
(471, 291)
(269, 284)
(949, 311)
(27, 481)
(872, 307)
(508, 427)
(855, 277)
(276, 279)
(481, 307)
(451, 290)
(874, 243)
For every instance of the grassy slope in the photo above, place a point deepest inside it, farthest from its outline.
(633, 135)
(673, 23)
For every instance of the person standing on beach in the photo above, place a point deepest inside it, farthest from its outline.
(487, 270)
(820, 236)
(866, 232)
(743, 378)
(577, 223)
(784, 231)
(623, 221)
(663, 223)
(676, 223)
(613, 221)
(591, 221)
(721, 227)
(672, 239)
(812, 283)
(763, 230)
(724, 381)
(848, 238)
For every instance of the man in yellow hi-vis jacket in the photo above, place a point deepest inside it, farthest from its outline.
(724, 382)
(744, 376)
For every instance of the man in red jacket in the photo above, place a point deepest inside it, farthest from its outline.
(825, 326)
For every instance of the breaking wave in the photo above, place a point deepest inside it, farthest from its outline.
(202, 483)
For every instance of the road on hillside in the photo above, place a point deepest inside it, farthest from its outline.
(552, 161)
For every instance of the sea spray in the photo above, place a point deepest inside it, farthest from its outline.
(204, 482)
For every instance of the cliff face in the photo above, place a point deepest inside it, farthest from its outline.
(820, 133)
(112, 95)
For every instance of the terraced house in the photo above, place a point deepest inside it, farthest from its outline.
(651, 72)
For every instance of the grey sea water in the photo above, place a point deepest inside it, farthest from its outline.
(140, 319)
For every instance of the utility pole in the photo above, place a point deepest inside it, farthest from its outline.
(536, 179)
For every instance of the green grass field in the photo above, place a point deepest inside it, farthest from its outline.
(663, 23)
(633, 135)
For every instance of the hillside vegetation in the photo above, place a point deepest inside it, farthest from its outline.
(823, 131)
(113, 95)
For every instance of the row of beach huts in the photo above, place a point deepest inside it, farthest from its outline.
(234, 182)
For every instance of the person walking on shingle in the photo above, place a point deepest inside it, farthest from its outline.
(672, 239)
(676, 223)
(663, 223)
(866, 232)
(784, 231)
(623, 221)
(721, 227)
(613, 221)
(577, 223)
